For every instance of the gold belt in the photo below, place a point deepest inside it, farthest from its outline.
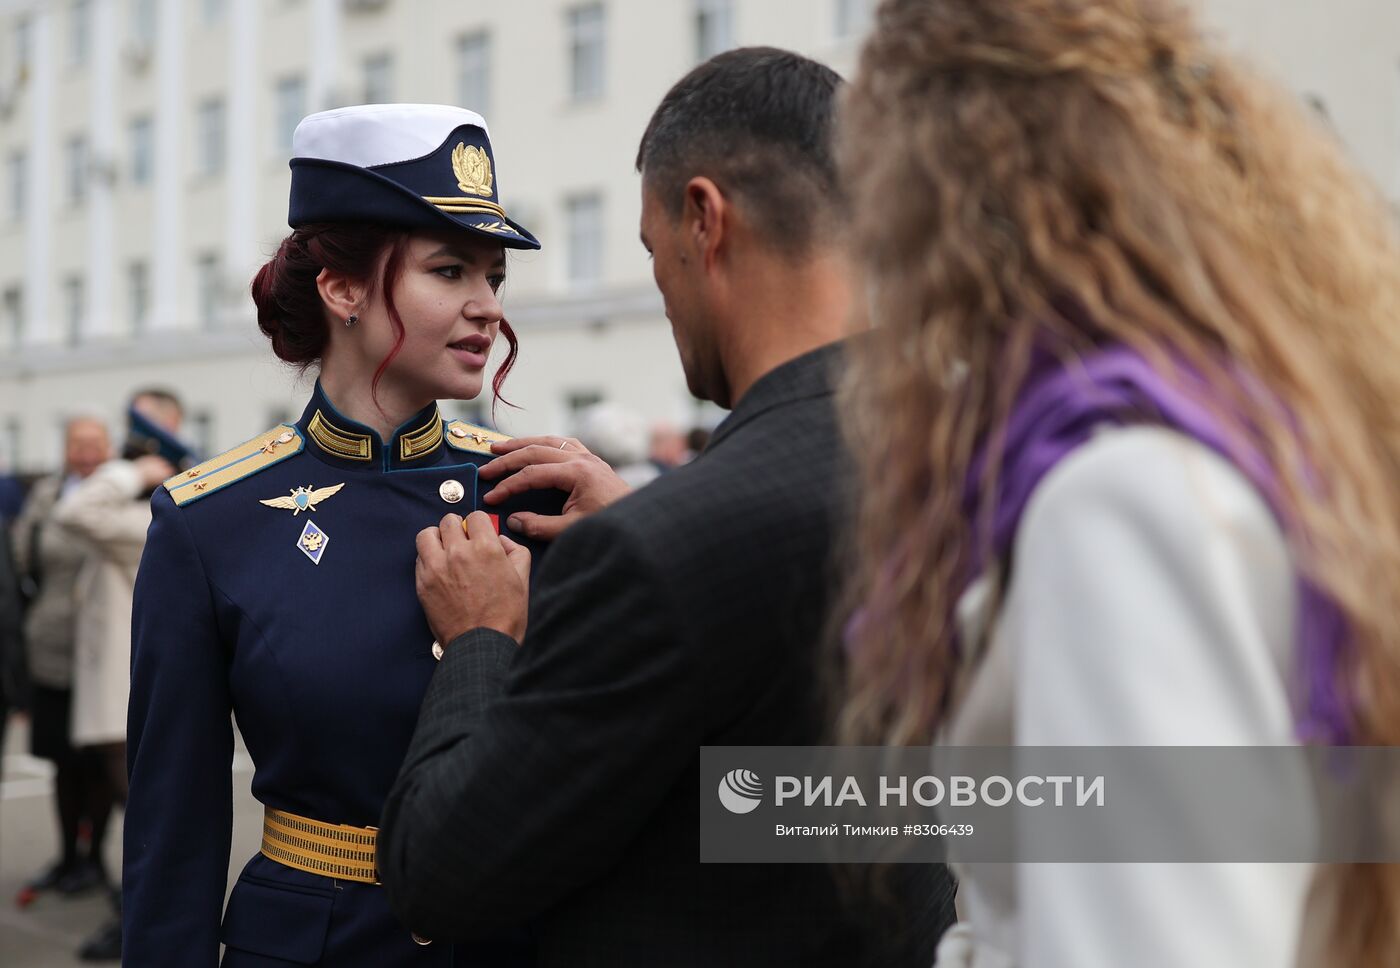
(328, 849)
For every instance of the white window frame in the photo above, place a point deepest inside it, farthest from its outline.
(17, 184)
(209, 289)
(585, 232)
(14, 435)
(853, 17)
(588, 51)
(74, 309)
(12, 304)
(474, 71)
(714, 28)
(75, 162)
(79, 32)
(23, 41)
(378, 72)
(211, 128)
(288, 114)
(201, 431)
(140, 133)
(144, 23)
(138, 294)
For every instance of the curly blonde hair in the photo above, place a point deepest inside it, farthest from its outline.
(1086, 173)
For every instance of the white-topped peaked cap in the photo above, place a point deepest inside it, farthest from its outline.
(378, 134)
(415, 165)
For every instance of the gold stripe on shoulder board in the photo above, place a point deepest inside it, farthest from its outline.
(260, 453)
(464, 436)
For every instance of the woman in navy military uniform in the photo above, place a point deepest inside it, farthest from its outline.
(278, 578)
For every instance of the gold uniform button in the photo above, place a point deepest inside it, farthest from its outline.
(419, 939)
(451, 491)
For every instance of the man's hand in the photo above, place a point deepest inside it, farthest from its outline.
(470, 577)
(542, 463)
(153, 470)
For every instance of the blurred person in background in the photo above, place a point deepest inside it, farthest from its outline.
(1128, 449)
(618, 436)
(278, 577)
(14, 667)
(48, 561)
(11, 497)
(667, 449)
(108, 514)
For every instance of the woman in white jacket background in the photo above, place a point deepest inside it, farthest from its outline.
(48, 560)
(109, 513)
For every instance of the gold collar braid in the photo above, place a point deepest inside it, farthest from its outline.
(341, 443)
(424, 440)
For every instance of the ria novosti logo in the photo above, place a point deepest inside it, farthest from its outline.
(740, 791)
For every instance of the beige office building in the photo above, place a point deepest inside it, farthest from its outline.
(143, 176)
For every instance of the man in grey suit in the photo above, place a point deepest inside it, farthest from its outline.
(552, 784)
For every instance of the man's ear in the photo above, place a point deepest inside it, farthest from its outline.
(341, 295)
(704, 213)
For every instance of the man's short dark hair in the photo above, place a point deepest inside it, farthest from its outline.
(758, 122)
(162, 397)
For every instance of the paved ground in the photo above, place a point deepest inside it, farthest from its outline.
(47, 934)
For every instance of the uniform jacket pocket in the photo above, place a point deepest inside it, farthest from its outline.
(278, 920)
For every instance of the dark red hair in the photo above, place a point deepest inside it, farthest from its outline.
(290, 311)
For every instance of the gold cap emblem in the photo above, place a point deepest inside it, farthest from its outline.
(472, 168)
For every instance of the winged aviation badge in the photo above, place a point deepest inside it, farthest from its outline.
(303, 498)
(472, 168)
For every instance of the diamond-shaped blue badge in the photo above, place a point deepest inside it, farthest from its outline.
(313, 542)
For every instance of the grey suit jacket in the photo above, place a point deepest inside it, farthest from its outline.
(555, 784)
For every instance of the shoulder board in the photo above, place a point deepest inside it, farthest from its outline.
(464, 436)
(267, 448)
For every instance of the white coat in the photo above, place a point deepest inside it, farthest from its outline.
(106, 514)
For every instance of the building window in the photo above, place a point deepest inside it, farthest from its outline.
(474, 72)
(76, 157)
(210, 130)
(852, 17)
(201, 431)
(583, 216)
(140, 135)
(73, 309)
(13, 304)
(714, 27)
(13, 436)
(23, 35)
(138, 285)
(587, 51)
(15, 184)
(291, 108)
(379, 79)
(213, 11)
(79, 32)
(143, 23)
(576, 401)
(210, 285)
